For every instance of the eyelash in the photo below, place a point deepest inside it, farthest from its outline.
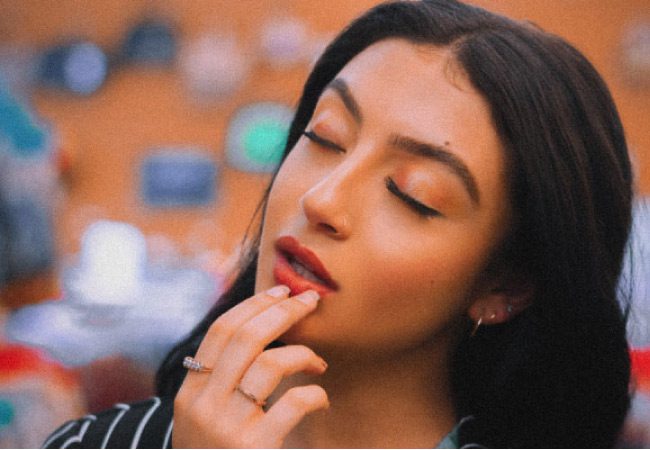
(419, 208)
(412, 203)
(322, 141)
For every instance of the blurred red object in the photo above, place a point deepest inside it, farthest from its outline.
(18, 360)
(37, 395)
(641, 368)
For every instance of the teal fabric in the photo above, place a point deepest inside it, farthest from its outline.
(451, 440)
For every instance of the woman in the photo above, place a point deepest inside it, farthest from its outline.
(437, 262)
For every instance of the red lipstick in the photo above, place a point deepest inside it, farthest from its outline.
(297, 267)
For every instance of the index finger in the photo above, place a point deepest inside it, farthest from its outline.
(253, 336)
(221, 331)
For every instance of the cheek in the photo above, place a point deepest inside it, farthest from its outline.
(435, 277)
(401, 304)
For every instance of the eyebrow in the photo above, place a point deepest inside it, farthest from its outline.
(341, 88)
(410, 145)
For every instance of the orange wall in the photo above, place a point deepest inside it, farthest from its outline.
(141, 108)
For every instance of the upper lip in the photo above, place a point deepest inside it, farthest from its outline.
(290, 246)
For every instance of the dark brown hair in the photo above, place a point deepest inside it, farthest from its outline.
(557, 375)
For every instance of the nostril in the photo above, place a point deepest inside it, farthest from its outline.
(328, 228)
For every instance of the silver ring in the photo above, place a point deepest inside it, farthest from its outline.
(251, 397)
(195, 366)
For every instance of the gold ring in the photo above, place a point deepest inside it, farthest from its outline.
(251, 397)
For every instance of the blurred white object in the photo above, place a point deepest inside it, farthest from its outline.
(635, 280)
(116, 303)
(635, 53)
(214, 66)
(284, 42)
(111, 269)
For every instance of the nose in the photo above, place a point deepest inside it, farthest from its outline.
(326, 204)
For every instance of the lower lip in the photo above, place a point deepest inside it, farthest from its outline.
(284, 274)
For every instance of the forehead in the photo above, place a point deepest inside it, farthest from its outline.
(422, 78)
(420, 91)
(404, 55)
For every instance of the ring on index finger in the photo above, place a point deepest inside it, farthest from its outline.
(194, 365)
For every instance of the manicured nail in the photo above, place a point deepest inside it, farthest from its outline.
(308, 297)
(278, 291)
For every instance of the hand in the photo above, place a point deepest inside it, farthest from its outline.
(211, 411)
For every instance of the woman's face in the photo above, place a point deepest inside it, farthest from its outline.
(397, 191)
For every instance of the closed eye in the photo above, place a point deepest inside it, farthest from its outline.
(417, 206)
(322, 141)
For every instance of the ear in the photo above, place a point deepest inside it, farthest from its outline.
(502, 301)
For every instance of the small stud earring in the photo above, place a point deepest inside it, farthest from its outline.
(478, 324)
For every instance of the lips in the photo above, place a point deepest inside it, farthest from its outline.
(300, 269)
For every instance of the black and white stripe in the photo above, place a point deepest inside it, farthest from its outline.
(147, 424)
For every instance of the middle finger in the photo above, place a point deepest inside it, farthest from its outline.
(272, 366)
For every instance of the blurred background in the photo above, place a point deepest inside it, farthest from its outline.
(136, 138)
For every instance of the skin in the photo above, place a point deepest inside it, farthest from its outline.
(387, 343)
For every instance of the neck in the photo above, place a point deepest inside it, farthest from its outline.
(381, 401)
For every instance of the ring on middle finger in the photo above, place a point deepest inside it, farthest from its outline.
(250, 396)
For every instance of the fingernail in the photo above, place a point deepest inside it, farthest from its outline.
(278, 291)
(324, 364)
(308, 297)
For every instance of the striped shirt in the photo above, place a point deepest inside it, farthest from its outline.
(146, 424)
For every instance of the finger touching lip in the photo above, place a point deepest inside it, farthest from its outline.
(300, 269)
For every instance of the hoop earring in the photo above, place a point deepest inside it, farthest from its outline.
(478, 324)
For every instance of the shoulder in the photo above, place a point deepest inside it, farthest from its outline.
(147, 424)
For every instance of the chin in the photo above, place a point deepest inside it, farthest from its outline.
(300, 333)
(310, 332)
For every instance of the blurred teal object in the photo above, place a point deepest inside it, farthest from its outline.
(257, 135)
(18, 127)
(27, 187)
(262, 136)
(7, 413)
